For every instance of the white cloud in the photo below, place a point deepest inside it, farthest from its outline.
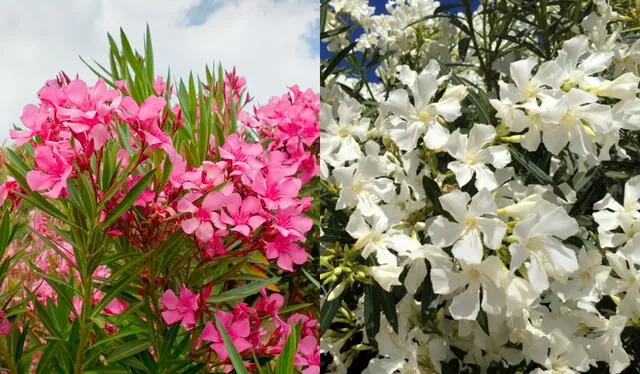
(266, 40)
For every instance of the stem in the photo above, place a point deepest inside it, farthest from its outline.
(7, 361)
(84, 331)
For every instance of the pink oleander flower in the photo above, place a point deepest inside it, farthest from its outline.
(287, 252)
(148, 111)
(159, 85)
(277, 192)
(214, 247)
(243, 215)
(308, 355)
(5, 324)
(35, 120)
(181, 178)
(89, 111)
(204, 217)
(53, 174)
(244, 156)
(8, 190)
(269, 305)
(237, 328)
(289, 222)
(115, 307)
(180, 309)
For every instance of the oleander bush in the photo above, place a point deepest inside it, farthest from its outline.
(150, 225)
(481, 204)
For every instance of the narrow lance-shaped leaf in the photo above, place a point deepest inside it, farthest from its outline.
(286, 361)
(234, 356)
(129, 199)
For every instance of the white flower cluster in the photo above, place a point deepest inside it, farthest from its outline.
(437, 202)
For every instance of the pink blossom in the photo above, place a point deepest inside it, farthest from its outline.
(277, 192)
(289, 222)
(237, 328)
(242, 155)
(181, 178)
(269, 305)
(308, 355)
(180, 309)
(8, 190)
(287, 252)
(115, 307)
(243, 215)
(159, 85)
(35, 119)
(155, 138)
(5, 324)
(53, 174)
(214, 247)
(204, 217)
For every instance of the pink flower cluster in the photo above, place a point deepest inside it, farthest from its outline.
(245, 196)
(258, 330)
(249, 190)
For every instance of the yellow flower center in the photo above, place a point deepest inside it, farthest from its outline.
(470, 223)
(568, 117)
(343, 132)
(424, 116)
(474, 275)
(530, 92)
(471, 159)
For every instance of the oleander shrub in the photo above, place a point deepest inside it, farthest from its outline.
(481, 198)
(154, 225)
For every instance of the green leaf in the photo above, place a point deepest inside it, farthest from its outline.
(128, 349)
(291, 308)
(236, 359)
(243, 291)
(533, 169)
(329, 310)
(429, 300)
(113, 292)
(286, 361)
(335, 60)
(129, 331)
(463, 47)
(148, 54)
(311, 279)
(483, 321)
(371, 311)
(388, 306)
(433, 192)
(129, 199)
(6, 230)
(82, 196)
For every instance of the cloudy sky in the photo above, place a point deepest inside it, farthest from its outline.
(273, 43)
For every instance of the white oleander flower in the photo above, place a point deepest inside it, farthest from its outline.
(363, 185)
(472, 156)
(611, 215)
(563, 357)
(538, 242)
(489, 275)
(411, 121)
(475, 224)
(627, 282)
(585, 286)
(377, 237)
(340, 139)
(576, 118)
